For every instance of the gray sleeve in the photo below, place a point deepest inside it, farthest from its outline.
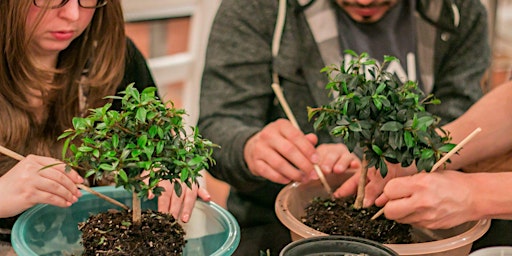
(460, 70)
(235, 89)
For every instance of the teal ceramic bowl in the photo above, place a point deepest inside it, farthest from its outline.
(49, 230)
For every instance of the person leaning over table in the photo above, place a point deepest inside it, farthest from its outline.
(444, 44)
(59, 59)
(447, 198)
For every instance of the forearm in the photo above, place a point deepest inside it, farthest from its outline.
(491, 195)
(493, 115)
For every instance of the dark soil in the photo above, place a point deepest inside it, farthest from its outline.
(339, 217)
(112, 233)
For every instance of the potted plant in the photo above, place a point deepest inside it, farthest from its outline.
(387, 119)
(138, 147)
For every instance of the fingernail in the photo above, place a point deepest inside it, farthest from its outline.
(314, 158)
(79, 193)
(366, 203)
(75, 199)
(185, 217)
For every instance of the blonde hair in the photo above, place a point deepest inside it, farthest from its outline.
(100, 50)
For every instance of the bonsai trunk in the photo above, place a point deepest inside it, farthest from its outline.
(136, 215)
(358, 204)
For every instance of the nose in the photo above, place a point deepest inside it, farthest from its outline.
(70, 10)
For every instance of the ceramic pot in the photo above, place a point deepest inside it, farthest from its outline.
(50, 230)
(493, 251)
(336, 245)
(292, 200)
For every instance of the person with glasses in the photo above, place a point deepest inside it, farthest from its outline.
(59, 59)
(442, 44)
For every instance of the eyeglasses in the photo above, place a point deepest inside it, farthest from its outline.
(54, 4)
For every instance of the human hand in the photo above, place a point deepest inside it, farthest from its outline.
(31, 182)
(281, 153)
(432, 200)
(170, 202)
(335, 159)
(375, 182)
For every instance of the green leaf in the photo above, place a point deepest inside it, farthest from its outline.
(377, 103)
(123, 176)
(142, 141)
(355, 127)
(85, 149)
(427, 153)
(391, 126)
(409, 139)
(115, 140)
(106, 167)
(177, 188)
(141, 115)
(377, 150)
(446, 148)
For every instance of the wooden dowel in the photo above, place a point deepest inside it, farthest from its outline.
(442, 160)
(19, 157)
(291, 117)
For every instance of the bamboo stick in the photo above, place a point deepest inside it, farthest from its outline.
(291, 117)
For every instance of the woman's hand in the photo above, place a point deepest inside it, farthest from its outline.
(180, 206)
(31, 182)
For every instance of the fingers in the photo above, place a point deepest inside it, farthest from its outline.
(275, 168)
(292, 144)
(180, 207)
(204, 194)
(348, 188)
(280, 153)
(400, 187)
(55, 186)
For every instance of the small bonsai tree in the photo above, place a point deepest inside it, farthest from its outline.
(385, 117)
(139, 146)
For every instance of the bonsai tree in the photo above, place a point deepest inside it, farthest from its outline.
(139, 146)
(386, 118)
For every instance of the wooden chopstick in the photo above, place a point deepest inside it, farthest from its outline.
(442, 160)
(19, 157)
(291, 117)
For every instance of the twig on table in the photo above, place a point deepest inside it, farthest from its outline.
(291, 117)
(442, 160)
(19, 157)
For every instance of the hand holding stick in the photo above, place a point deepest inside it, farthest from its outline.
(291, 117)
(442, 160)
(19, 157)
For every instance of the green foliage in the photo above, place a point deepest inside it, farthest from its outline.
(382, 115)
(143, 135)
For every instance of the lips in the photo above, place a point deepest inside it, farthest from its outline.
(365, 12)
(62, 35)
